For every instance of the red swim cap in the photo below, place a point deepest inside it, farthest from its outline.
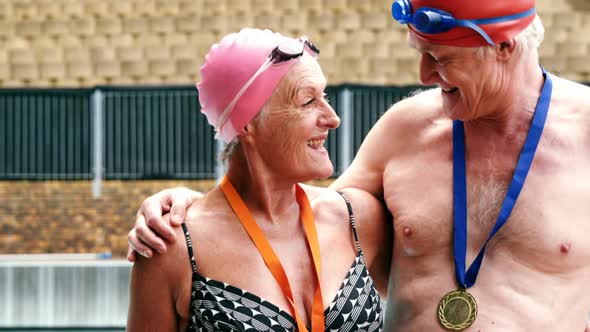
(475, 10)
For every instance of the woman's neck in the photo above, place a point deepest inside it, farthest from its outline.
(265, 193)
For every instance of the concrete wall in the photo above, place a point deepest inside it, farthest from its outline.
(89, 42)
(63, 217)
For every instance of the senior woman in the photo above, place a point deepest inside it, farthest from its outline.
(263, 252)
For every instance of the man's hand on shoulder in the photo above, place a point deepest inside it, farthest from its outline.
(151, 231)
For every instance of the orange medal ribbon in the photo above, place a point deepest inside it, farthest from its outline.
(270, 258)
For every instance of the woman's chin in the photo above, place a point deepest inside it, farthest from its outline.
(319, 172)
(325, 172)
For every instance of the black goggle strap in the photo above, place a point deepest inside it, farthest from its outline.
(311, 47)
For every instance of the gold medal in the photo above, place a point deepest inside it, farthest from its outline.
(457, 310)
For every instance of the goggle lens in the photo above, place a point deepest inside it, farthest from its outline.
(292, 48)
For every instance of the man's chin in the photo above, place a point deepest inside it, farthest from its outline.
(454, 111)
(447, 112)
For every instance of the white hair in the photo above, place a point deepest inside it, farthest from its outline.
(531, 37)
(527, 40)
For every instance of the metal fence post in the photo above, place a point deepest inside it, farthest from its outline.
(219, 165)
(346, 143)
(97, 134)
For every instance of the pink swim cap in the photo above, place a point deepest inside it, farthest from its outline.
(473, 10)
(228, 66)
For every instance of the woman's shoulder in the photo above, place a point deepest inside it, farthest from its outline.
(331, 200)
(327, 204)
(209, 220)
(207, 209)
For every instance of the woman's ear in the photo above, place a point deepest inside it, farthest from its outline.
(506, 49)
(247, 133)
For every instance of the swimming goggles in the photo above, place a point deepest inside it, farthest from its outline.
(433, 20)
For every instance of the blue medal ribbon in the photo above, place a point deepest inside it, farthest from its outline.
(467, 279)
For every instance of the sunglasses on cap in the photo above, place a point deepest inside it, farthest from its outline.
(433, 20)
(287, 50)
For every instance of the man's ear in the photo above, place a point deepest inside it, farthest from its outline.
(506, 49)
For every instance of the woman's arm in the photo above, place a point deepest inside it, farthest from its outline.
(155, 284)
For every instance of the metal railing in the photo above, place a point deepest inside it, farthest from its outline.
(45, 134)
(145, 132)
(156, 133)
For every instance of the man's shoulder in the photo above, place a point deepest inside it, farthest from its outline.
(421, 105)
(425, 98)
(572, 94)
(571, 101)
(411, 117)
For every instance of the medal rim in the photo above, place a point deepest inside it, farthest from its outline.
(446, 299)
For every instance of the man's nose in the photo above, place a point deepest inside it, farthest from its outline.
(428, 73)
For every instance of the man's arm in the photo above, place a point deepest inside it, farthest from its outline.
(363, 183)
(395, 134)
(151, 231)
(374, 228)
(366, 171)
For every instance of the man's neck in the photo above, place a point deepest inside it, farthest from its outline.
(516, 104)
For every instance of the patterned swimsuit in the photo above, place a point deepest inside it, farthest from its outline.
(218, 306)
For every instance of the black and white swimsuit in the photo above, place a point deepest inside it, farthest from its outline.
(218, 306)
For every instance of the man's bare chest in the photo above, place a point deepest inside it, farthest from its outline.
(546, 226)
